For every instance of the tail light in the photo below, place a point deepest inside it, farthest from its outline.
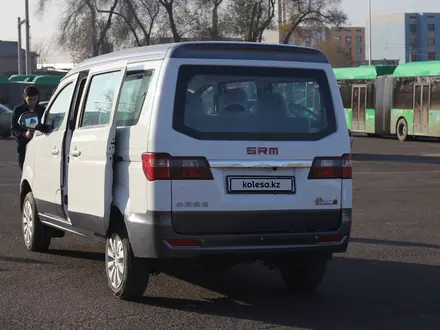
(350, 134)
(331, 168)
(162, 166)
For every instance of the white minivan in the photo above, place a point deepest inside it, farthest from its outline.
(215, 152)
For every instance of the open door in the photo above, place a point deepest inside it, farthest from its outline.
(90, 159)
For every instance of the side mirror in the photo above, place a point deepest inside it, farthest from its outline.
(29, 120)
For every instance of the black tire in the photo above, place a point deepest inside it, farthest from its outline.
(36, 236)
(304, 276)
(135, 275)
(402, 130)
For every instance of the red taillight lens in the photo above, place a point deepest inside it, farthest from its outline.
(331, 168)
(165, 167)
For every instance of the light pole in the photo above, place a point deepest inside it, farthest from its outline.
(369, 32)
(28, 46)
(20, 23)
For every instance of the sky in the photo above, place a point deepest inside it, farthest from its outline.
(43, 28)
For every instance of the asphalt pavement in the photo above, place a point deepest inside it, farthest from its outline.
(388, 279)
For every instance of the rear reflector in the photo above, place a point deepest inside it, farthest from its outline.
(329, 239)
(163, 166)
(331, 168)
(182, 242)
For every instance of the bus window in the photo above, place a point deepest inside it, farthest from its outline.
(370, 96)
(403, 93)
(345, 89)
(435, 94)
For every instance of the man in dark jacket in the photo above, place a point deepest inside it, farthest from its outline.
(22, 136)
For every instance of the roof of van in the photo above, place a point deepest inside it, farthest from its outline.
(210, 50)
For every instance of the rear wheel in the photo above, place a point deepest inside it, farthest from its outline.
(127, 275)
(402, 130)
(303, 277)
(36, 236)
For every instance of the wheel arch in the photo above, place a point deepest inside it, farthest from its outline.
(116, 220)
(25, 188)
(398, 119)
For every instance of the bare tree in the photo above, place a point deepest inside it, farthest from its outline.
(136, 18)
(83, 31)
(248, 19)
(44, 50)
(312, 13)
(337, 56)
(169, 6)
(210, 23)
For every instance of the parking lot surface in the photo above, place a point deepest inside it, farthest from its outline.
(388, 279)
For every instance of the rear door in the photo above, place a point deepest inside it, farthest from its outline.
(90, 169)
(421, 108)
(248, 169)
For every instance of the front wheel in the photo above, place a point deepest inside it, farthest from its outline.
(304, 276)
(36, 236)
(127, 275)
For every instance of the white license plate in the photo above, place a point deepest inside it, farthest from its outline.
(261, 185)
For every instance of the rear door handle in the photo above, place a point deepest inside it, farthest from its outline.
(76, 153)
(55, 151)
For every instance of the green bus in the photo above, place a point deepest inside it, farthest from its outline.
(416, 100)
(361, 91)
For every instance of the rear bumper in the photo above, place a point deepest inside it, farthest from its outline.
(152, 235)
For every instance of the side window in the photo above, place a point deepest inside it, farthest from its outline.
(403, 93)
(345, 90)
(370, 96)
(100, 96)
(435, 93)
(134, 90)
(54, 116)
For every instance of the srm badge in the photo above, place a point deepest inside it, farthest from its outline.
(320, 201)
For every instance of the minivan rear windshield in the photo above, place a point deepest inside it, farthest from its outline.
(253, 103)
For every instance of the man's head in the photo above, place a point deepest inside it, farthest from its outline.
(31, 95)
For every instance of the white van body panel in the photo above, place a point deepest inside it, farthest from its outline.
(228, 158)
(130, 188)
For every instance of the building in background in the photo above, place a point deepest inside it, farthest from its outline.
(9, 58)
(408, 37)
(349, 39)
(352, 40)
(307, 36)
